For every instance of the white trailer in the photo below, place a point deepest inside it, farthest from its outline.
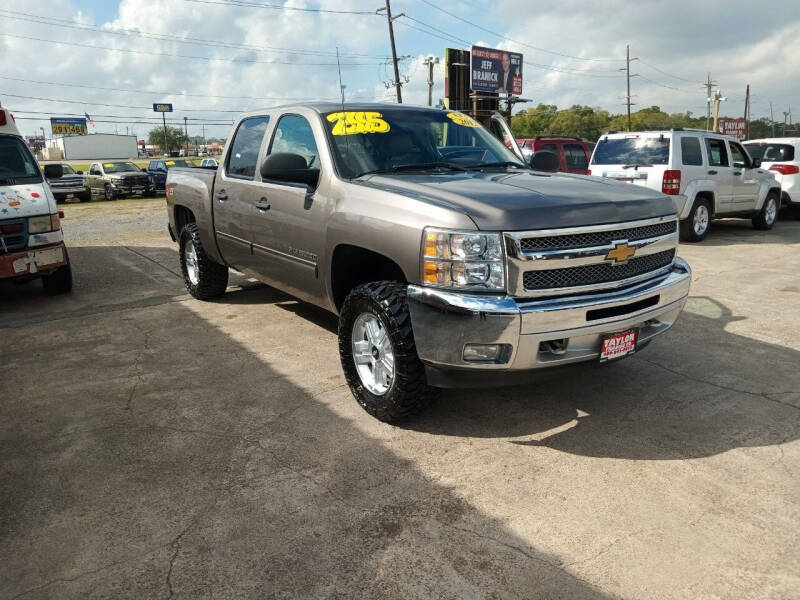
(97, 146)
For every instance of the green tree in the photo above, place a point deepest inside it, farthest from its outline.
(175, 138)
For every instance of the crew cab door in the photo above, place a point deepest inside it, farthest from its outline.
(745, 186)
(288, 224)
(235, 193)
(94, 177)
(721, 173)
(502, 132)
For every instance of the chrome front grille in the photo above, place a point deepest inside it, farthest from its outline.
(596, 238)
(585, 259)
(13, 235)
(596, 273)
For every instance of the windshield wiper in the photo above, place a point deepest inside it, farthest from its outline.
(414, 167)
(635, 166)
(504, 163)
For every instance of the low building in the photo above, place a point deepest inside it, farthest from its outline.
(96, 146)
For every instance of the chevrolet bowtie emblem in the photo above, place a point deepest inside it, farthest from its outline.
(620, 253)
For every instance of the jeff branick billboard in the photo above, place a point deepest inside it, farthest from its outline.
(496, 71)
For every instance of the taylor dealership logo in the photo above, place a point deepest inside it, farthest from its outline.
(621, 253)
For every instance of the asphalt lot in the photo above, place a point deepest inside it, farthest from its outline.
(154, 446)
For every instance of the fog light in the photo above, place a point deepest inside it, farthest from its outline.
(486, 352)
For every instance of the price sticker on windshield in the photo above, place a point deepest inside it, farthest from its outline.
(462, 119)
(108, 165)
(352, 122)
(170, 163)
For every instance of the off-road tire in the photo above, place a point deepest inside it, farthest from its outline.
(687, 231)
(409, 392)
(213, 277)
(109, 193)
(85, 196)
(761, 221)
(59, 281)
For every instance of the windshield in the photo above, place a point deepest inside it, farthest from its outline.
(16, 162)
(644, 152)
(392, 140)
(771, 152)
(119, 167)
(177, 163)
(68, 170)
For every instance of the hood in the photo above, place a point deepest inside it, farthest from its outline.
(509, 201)
(25, 200)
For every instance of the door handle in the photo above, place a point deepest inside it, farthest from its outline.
(221, 195)
(263, 205)
(737, 172)
(712, 172)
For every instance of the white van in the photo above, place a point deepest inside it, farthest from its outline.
(709, 175)
(31, 240)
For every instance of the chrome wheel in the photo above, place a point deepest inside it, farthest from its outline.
(373, 354)
(700, 219)
(771, 211)
(190, 258)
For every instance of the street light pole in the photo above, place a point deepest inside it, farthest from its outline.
(430, 61)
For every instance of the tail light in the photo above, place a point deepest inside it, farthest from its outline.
(2, 117)
(671, 183)
(785, 169)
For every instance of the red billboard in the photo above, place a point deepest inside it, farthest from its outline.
(734, 127)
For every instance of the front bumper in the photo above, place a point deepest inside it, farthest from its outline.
(445, 322)
(33, 261)
(64, 191)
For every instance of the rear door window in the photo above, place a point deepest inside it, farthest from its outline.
(576, 157)
(771, 152)
(639, 151)
(717, 153)
(690, 151)
(245, 147)
(547, 148)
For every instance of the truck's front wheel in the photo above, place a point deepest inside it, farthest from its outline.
(379, 358)
(204, 278)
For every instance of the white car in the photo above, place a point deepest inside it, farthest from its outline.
(709, 175)
(209, 162)
(782, 157)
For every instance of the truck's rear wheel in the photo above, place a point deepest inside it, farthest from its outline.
(694, 228)
(204, 278)
(768, 214)
(379, 358)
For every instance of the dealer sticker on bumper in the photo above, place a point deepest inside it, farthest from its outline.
(618, 345)
(38, 258)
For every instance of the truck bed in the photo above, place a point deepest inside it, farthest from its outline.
(189, 199)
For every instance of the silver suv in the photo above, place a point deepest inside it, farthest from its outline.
(708, 174)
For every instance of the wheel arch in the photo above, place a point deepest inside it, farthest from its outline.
(353, 265)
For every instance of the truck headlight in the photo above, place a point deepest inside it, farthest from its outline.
(463, 260)
(44, 223)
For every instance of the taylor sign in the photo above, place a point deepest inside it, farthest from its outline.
(734, 127)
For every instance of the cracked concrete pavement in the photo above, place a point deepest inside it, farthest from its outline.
(154, 446)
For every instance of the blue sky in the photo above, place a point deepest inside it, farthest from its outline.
(116, 58)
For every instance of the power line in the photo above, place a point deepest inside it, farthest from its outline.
(151, 92)
(244, 4)
(208, 58)
(502, 37)
(211, 110)
(65, 114)
(125, 122)
(125, 32)
(668, 74)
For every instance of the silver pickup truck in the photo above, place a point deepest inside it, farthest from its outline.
(449, 260)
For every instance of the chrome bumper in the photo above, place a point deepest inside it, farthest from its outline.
(445, 322)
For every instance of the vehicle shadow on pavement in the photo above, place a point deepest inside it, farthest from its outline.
(168, 447)
(697, 391)
(725, 232)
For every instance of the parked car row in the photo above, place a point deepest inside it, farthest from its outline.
(709, 175)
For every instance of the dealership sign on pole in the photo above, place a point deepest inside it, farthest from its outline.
(734, 127)
(164, 108)
(496, 71)
(70, 126)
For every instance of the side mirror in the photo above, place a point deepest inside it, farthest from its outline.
(144, 170)
(53, 171)
(545, 161)
(79, 172)
(288, 167)
(756, 163)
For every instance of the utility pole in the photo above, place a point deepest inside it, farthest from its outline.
(747, 113)
(204, 136)
(708, 85)
(628, 76)
(397, 82)
(771, 118)
(718, 98)
(785, 115)
(430, 61)
(186, 134)
(166, 139)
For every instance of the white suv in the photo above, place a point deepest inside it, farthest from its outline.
(782, 157)
(710, 175)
